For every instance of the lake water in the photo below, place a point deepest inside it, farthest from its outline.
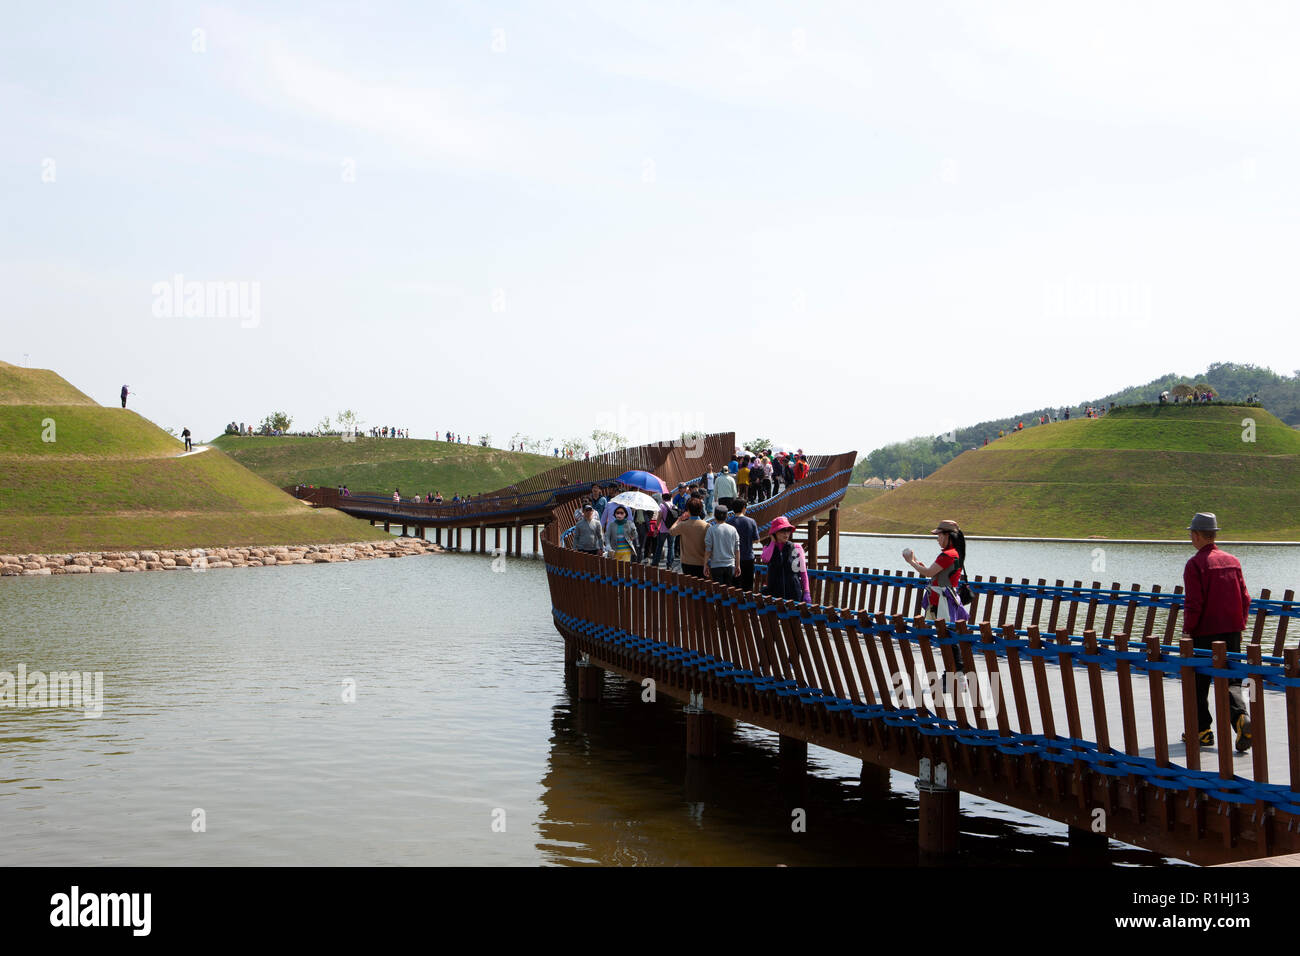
(224, 692)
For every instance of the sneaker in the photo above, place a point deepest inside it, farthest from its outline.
(1205, 737)
(1243, 733)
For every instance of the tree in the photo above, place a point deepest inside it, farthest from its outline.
(605, 441)
(276, 422)
(347, 420)
(575, 445)
(323, 425)
(760, 446)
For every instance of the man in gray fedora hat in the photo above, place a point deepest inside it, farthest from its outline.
(1215, 605)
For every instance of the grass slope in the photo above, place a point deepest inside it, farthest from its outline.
(1137, 472)
(29, 386)
(111, 481)
(417, 466)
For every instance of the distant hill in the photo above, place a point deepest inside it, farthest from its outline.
(1138, 472)
(416, 466)
(1232, 383)
(111, 480)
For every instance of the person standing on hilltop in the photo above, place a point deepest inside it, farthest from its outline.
(185, 434)
(1215, 605)
(125, 393)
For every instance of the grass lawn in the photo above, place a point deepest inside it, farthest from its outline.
(417, 466)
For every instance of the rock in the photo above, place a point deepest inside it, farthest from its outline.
(37, 571)
(128, 568)
(184, 561)
(10, 570)
(103, 569)
(82, 560)
(168, 562)
(77, 569)
(303, 561)
(148, 556)
(153, 565)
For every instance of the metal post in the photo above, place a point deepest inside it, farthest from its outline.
(938, 828)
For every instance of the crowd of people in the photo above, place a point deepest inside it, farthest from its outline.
(702, 528)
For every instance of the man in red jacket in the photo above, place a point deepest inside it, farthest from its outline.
(1216, 603)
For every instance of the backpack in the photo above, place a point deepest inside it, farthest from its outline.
(670, 516)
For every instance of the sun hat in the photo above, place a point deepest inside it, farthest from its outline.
(1204, 521)
(780, 523)
(946, 525)
(588, 507)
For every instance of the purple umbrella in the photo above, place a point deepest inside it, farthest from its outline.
(643, 480)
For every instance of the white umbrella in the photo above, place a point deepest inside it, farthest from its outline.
(635, 501)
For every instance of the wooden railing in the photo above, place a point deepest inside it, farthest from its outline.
(863, 682)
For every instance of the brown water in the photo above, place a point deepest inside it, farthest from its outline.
(223, 691)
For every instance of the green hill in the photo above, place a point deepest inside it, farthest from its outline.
(80, 477)
(1140, 472)
(417, 466)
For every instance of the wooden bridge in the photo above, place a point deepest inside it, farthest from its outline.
(1069, 704)
(532, 502)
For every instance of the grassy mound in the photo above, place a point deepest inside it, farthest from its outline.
(31, 386)
(1138, 472)
(111, 480)
(417, 466)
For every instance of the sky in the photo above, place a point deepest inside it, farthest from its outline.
(833, 225)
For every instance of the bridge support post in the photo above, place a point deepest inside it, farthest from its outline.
(833, 546)
(873, 782)
(590, 679)
(939, 811)
(458, 530)
(570, 665)
(419, 531)
(497, 546)
(403, 529)
(812, 544)
(535, 548)
(437, 536)
(386, 527)
(794, 755)
(701, 729)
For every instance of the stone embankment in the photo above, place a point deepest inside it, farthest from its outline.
(198, 559)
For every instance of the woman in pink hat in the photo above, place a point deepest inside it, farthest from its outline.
(787, 567)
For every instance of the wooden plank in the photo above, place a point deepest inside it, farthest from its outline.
(1022, 603)
(1279, 642)
(1257, 634)
(1127, 714)
(991, 662)
(1092, 607)
(873, 644)
(1171, 621)
(1056, 607)
(1148, 626)
(1023, 721)
(854, 642)
(1258, 721)
(1042, 689)
(1096, 692)
(1155, 653)
(1111, 608)
(1292, 657)
(1075, 597)
(1187, 675)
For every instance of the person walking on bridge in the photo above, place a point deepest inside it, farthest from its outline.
(620, 537)
(1215, 606)
(724, 489)
(588, 536)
